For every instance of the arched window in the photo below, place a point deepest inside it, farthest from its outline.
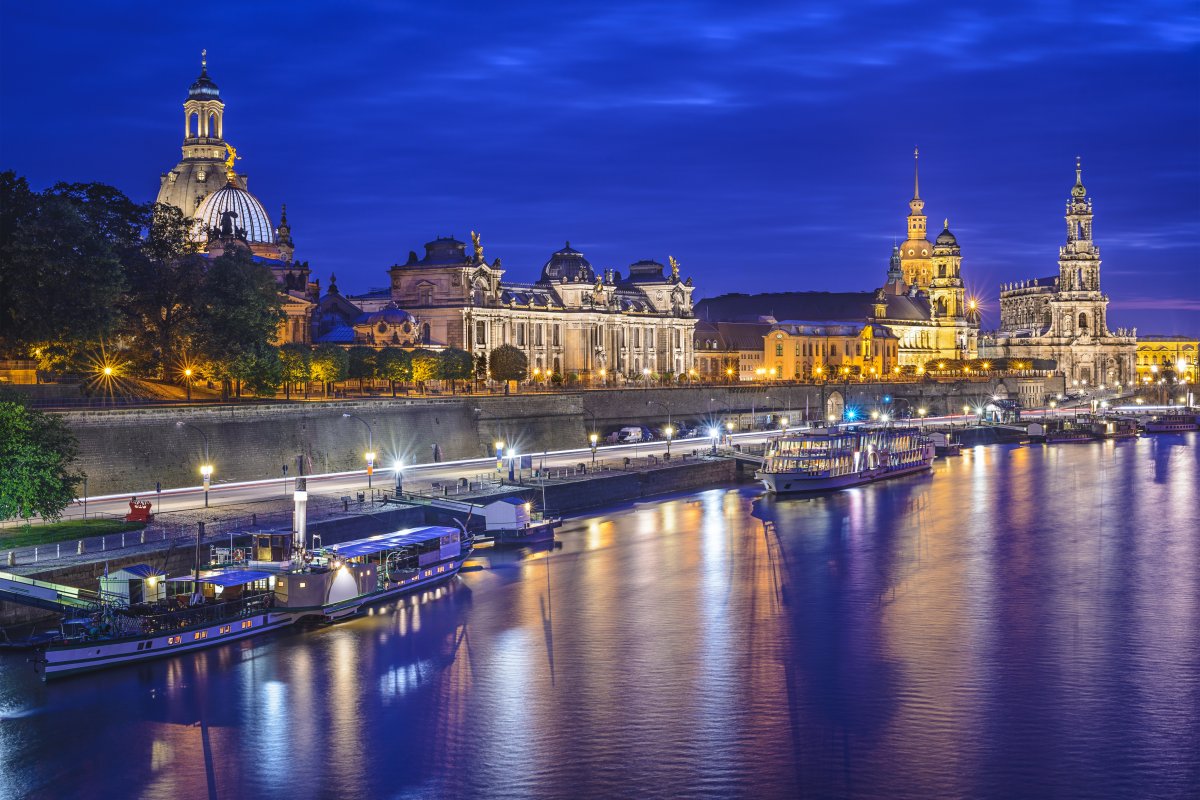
(425, 333)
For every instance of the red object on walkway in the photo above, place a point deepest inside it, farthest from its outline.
(139, 512)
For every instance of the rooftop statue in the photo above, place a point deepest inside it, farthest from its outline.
(478, 247)
(233, 156)
(674, 267)
(227, 218)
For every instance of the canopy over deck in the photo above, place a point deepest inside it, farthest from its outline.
(231, 578)
(390, 541)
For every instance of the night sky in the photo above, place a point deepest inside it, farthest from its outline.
(766, 146)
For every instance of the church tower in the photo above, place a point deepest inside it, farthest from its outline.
(915, 253)
(946, 292)
(202, 170)
(1079, 258)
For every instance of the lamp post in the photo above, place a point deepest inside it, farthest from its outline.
(370, 454)
(499, 447)
(669, 432)
(666, 408)
(187, 375)
(645, 377)
(594, 438)
(206, 469)
(921, 418)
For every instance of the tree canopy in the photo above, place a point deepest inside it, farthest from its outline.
(508, 363)
(36, 459)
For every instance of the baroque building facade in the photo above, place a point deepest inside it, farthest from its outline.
(1064, 317)
(573, 320)
(207, 188)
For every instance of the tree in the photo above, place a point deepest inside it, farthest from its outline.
(295, 365)
(329, 364)
(36, 456)
(166, 281)
(508, 363)
(239, 315)
(457, 365)
(257, 368)
(61, 271)
(426, 366)
(394, 364)
(481, 367)
(362, 364)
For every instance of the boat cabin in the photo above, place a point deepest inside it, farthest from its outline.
(511, 513)
(134, 585)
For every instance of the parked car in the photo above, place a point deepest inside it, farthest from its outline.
(634, 433)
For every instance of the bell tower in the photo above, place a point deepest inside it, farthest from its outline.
(202, 170)
(1079, 258)
(916, 253)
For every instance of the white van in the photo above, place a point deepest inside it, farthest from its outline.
(630, 435)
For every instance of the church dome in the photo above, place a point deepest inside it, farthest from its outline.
(946, 237)
(570, 264)
(390, 314)
(251, 216)
(204, 88)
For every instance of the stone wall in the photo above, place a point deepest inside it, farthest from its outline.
(129, 450)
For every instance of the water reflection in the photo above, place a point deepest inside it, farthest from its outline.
(1022, 622)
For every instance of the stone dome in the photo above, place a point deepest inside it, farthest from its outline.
(946, 238)
(251, 216)
(570, 264)
(204, 88)
(390, 314)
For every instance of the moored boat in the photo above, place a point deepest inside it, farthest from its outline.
(1114, 428)
(233, 601)
(839, 457)
(1172, 423)
(1068, 431)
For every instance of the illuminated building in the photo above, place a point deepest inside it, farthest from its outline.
(813, 351)
(1064, 317)
(1160, 356)
(207, 188)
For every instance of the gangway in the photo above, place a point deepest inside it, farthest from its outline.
(46, 595)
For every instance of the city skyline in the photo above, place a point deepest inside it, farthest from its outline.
(740, 148)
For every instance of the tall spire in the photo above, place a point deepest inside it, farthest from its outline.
(204, 61)
(916, 176)
(1077, 190)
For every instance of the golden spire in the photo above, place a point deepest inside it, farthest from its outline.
(946, 223)
(916, 182)
(230, 173)
(204, 60)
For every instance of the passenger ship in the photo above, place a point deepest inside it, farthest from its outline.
(262, 587)
(1172, 423)
(836, 458)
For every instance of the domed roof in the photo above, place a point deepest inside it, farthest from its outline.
(570, 264)
(946, 237)
(391, 314)
(204, 88)
(251, 216)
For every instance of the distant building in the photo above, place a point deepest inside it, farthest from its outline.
(923, 302)
(574, 320)
(1064, 317)
(729, 351)
(824, 351)
(1158, 356)
(205, 186)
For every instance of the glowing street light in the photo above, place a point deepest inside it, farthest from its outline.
(187, 382)
(594, 439)
(669, 431)
(206, 469)
(370, 454)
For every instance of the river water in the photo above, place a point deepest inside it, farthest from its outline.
(1024, 622)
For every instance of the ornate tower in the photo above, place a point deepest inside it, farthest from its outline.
(915, 253)
(202, 170)
(946, 291)
(1079, 258)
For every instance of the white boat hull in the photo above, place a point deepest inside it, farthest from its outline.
(795, 483)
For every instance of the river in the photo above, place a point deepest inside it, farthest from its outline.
(1023, 622)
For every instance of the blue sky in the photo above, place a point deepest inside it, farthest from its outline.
(767, 146)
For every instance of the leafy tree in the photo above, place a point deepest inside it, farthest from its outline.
(257, 368)
(239, 316)
(295, 365)
(457, 365)
(166, 281)
(509, 363)
(36, 455)
(363, 364)
(329, 365)
(481, 367)
(394, 364)
(61, 272)
(426, 366)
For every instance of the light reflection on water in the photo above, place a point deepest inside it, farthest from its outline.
(1022, 622)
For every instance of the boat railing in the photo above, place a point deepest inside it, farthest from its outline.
(132, 622)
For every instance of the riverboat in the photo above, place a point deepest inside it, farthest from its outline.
(262, 588)
(825, 459)
(1065, 431)
(1172, 423)
(945, 445)
(1114, 428)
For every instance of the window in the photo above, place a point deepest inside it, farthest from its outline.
(520, 334)
(425, 295)
(557, 335)
(481, 333)
(779, 349)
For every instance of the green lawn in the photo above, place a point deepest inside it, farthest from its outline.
(66, 530)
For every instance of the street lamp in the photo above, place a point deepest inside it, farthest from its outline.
(669, 431)
(645, 377)
(666, 408)
(370, 454)
(594, 439)
(206, 469)
(187, 374)
(499, 447)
